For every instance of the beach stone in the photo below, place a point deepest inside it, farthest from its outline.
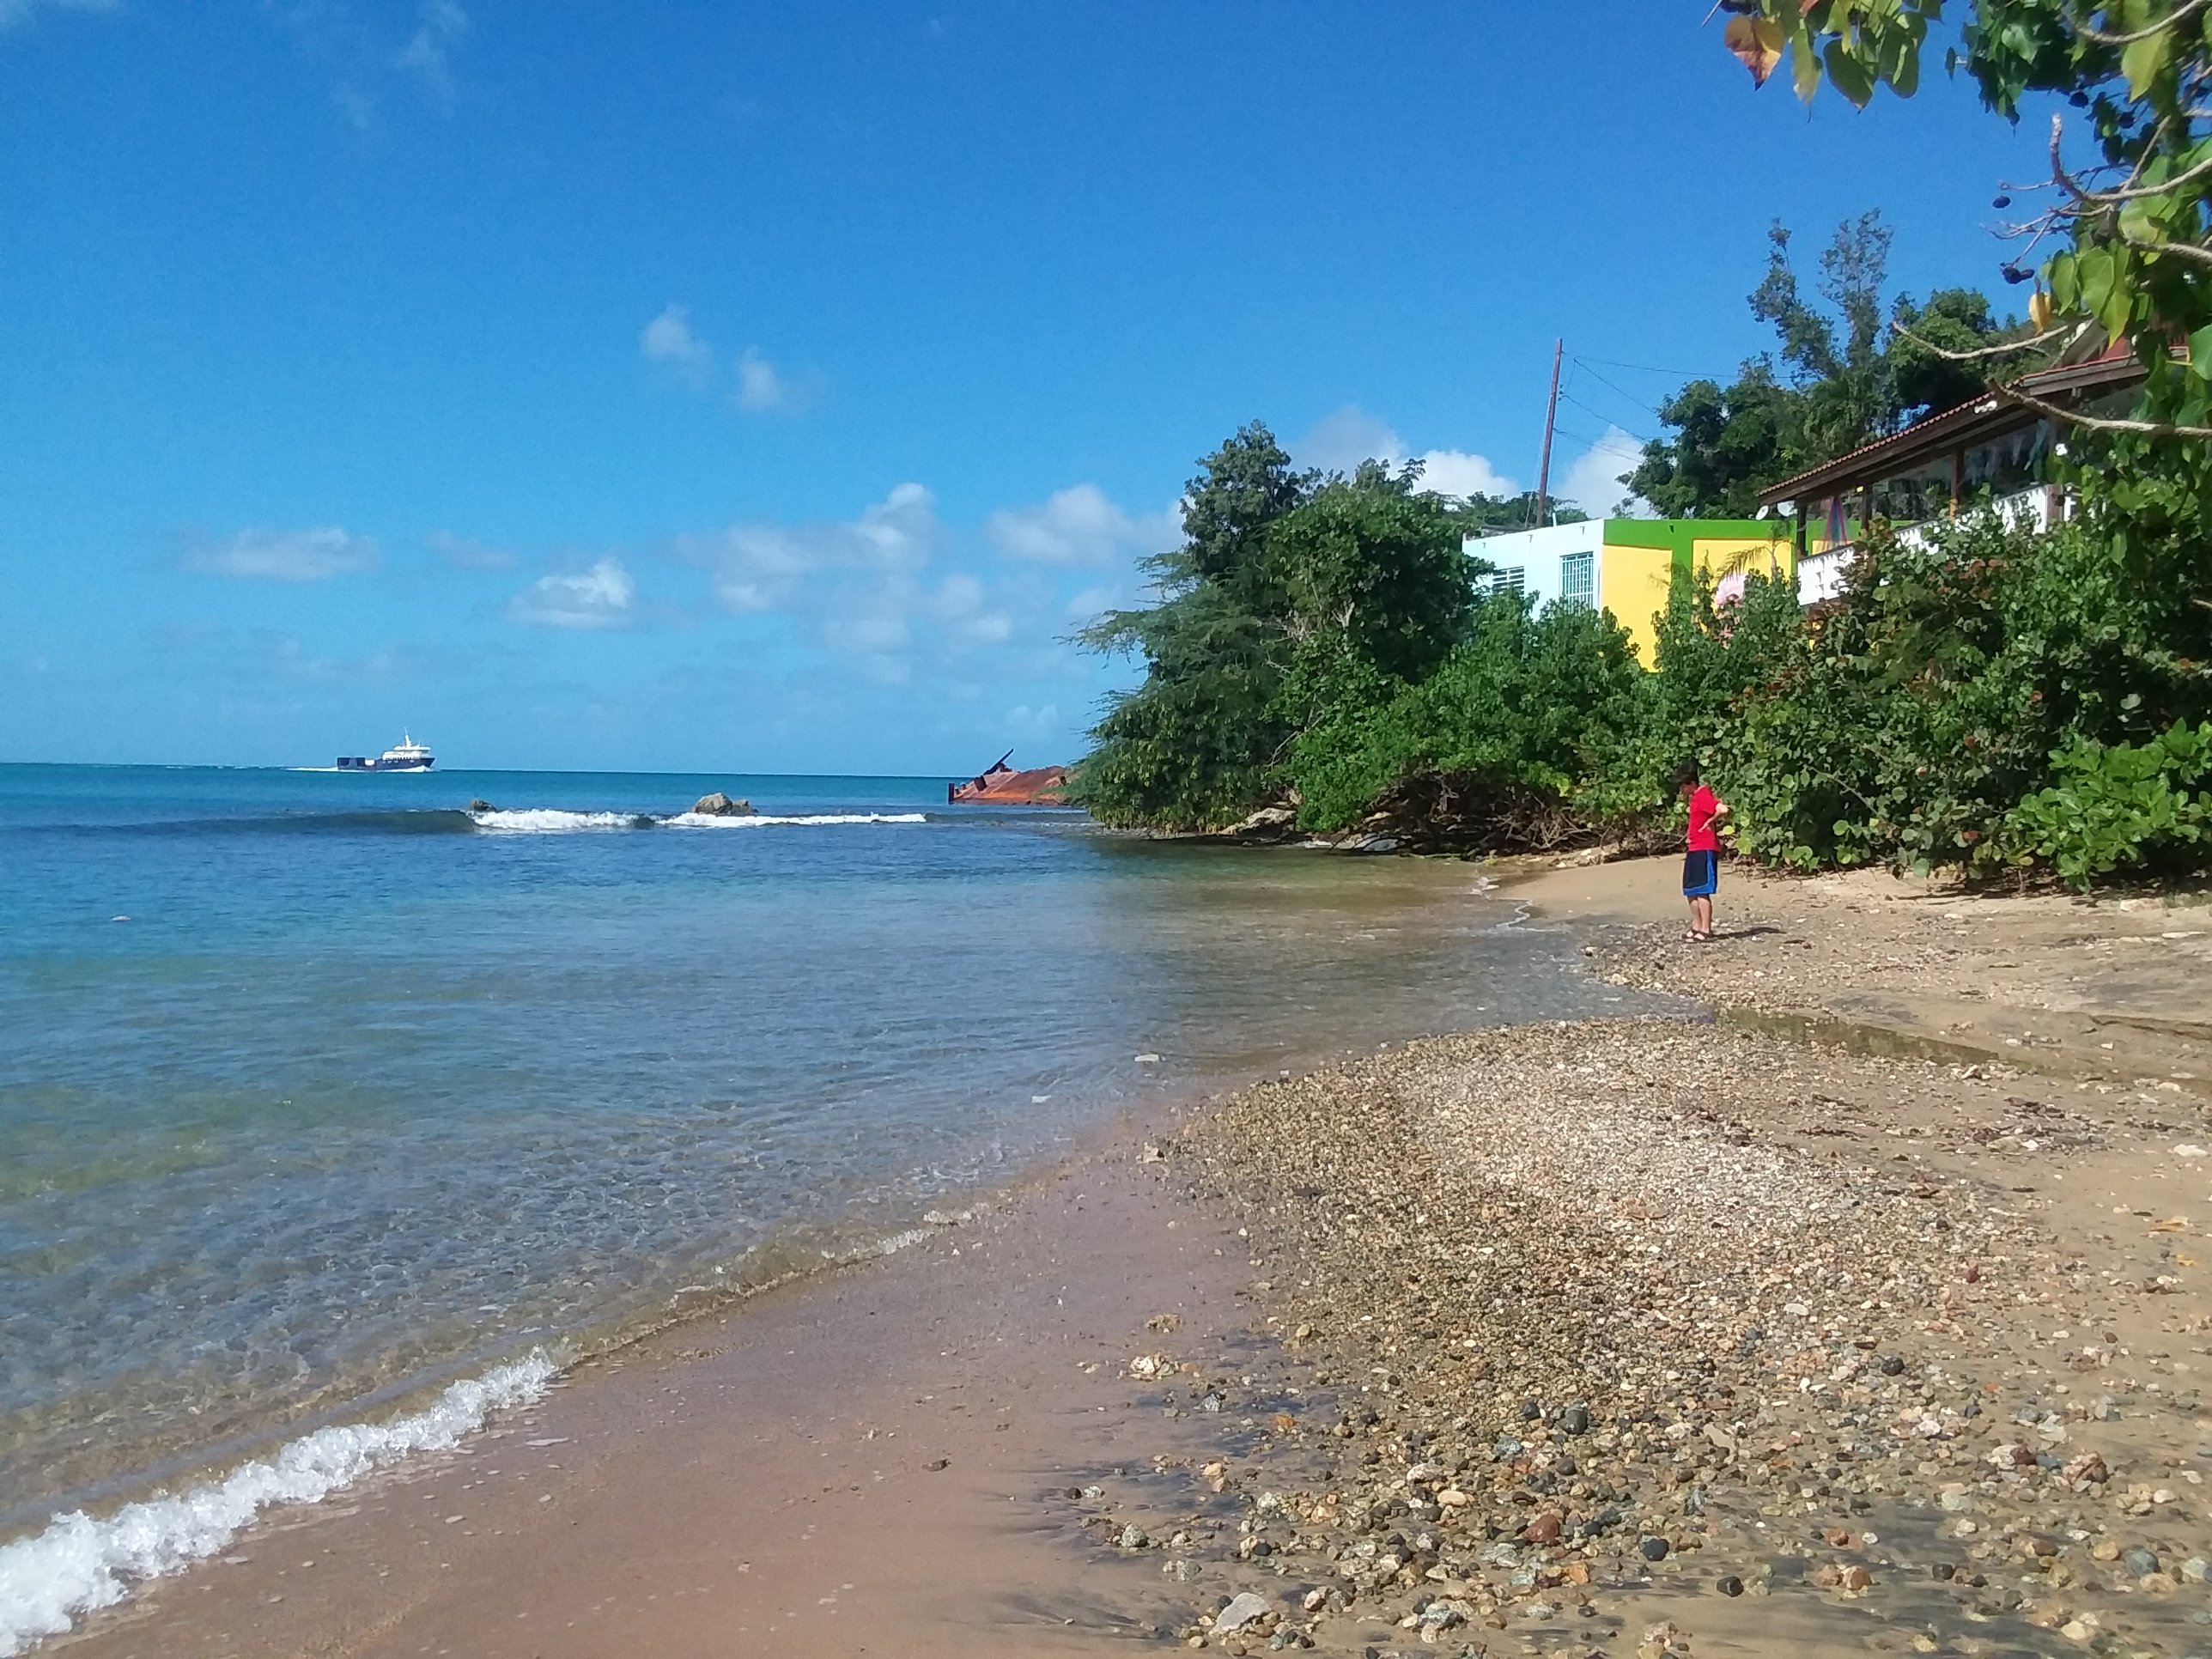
(2196, 1568)
(1246, 1608)
(482, 806)
(1730, 1585)
(1652, 1548)
(720, 806)
(2140, 1561)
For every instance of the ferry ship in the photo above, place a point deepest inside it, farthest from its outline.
(405, 756)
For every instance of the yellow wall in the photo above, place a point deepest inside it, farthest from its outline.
(1633, 582)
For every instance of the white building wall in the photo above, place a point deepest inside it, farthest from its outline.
(1821, 575)
(1537, 553)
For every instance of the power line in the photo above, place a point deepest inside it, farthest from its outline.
(1621, 389)
(1650, 368)
(1600, 414)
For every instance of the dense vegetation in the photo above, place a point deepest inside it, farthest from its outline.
(1996, 699)
(1989, 698)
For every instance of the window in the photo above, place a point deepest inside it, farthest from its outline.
(1578, 579)
(1512, 579)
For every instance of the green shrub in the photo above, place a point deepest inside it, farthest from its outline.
(2117, 804)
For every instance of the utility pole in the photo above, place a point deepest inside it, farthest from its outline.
(1551, 416)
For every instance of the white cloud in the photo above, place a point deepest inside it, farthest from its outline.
(864, 588)
(427, 54)
(468, 553)
(1340, 442)
(1078, 525)
(602, 597)
(763, 389)
(668, 339)
(1456, 472)
(759, 386)
(1593, 482)
(13, 12)
(286, 556)
(1093, 603)
(766, 567)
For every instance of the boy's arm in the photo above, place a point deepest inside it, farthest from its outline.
(1721, 808)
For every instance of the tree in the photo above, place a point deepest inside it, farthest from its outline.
(1293, 596)
(1845, 377)
(1196, 744)
(1730, 443)
(2136, 217)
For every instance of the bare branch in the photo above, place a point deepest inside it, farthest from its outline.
(2099, 422)
(2092, 199)
(2187, 251)
(2163, 24)
(2005, 351)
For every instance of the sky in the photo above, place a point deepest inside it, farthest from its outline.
(734, 386)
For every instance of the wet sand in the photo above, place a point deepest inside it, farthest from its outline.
(1901, 1345)
(865, 1464)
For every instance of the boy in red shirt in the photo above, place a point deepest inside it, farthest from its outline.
(1701, 869)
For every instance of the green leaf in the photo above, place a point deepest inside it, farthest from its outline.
(2143, 61)
(2200, 353)
(1848, 75)
(1804, 65)
(2065, 281)
(1902, 71)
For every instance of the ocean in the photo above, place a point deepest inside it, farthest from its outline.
(334, 1113)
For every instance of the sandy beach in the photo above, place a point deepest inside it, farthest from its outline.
(1865, 1314)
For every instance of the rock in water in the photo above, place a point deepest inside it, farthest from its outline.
(482, 806)
(720, 806)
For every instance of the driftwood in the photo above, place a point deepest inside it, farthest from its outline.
(1470, 812)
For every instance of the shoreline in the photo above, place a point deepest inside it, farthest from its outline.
(1241, 1334)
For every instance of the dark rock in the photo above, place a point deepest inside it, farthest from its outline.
(2140, 1561)
(1652, 1548)
(1576, 1420)
(1731, 1585)
(720, 806)
(481, 805)
(1891, 1365)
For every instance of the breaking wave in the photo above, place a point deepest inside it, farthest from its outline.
(547, 821)
(78, 1565)
(764, 820)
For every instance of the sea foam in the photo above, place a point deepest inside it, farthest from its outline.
(548, 821)
(762, 820)
(79, 1564)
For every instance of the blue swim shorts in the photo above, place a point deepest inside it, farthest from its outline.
(1701, 875)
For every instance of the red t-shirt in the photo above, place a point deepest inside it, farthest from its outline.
(1704, 804)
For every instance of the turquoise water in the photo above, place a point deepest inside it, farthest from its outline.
(319, 1088)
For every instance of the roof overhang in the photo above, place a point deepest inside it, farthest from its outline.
(1993, 414)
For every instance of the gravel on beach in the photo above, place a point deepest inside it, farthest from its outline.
(1623, 1335)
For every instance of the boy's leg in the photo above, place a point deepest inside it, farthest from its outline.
(1701, 915)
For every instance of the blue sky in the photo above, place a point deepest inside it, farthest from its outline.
(760, 387)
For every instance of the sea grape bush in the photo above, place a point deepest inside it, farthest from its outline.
(2118, 805)
(1910, 716)
(1987, 696)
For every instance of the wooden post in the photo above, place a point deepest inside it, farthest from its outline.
(1551, 418)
